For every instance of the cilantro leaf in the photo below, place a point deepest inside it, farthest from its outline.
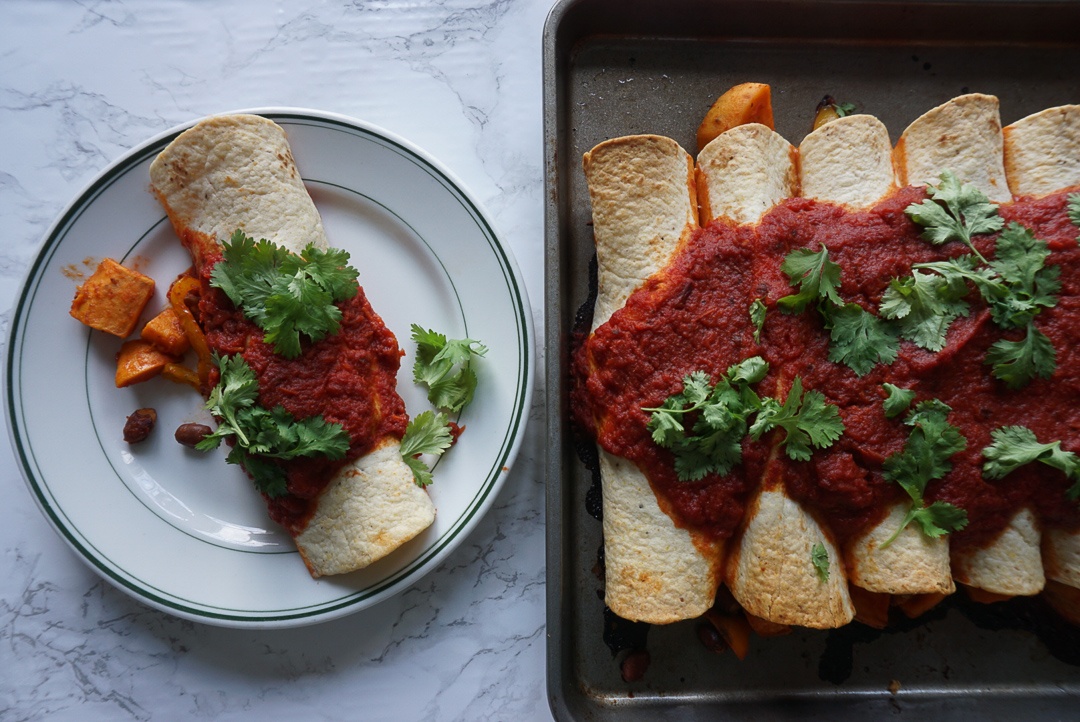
(1074, 210)
(285, 294)
(718, 415)
(816, 276)
(260, 435)
(844, 109)
(1018, 362)
(859, 338)
(937, 519)
(807, 420)
(819, 557)
(427, 433)
(1028, 285)
(757, 318)
(1015, 446)
(954, 212)
(924, 305)
(925, 457)
(898, 400)
(445, 367)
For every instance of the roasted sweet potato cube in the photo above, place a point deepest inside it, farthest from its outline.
(745, 103)
(166, 333)
(112, 299)
(138, 361)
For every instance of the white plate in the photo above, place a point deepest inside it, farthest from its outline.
(183, 531)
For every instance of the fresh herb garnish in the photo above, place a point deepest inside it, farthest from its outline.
(807, 420)
(925, 457)
(859, 338)
(923, 306)
(1074, 210)
(444, 366)
(285, 294)
(819, 557)
(428, 433)
(1015, 446)
(260, 435)
(955, 211)
(816, 276)
(898, 400)
(757, 318)
(720, 416)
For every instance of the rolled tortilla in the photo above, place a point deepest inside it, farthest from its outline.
(742, 174)
(1042, 156)
(849, 162)
(1011, 565)
(237, 171)
(1042, 152)
(964, 136)
(643, 207)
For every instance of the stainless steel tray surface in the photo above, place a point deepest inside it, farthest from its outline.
(613, 67)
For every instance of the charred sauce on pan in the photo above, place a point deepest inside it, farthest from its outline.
(349, 378)
(694, 315)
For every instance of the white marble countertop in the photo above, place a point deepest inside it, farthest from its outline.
(85, 81)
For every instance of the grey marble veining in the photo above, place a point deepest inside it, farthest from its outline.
(83, 82)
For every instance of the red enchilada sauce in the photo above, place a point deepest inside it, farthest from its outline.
(695, 315)
(349, 378)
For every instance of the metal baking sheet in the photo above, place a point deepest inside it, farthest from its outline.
(613, 68)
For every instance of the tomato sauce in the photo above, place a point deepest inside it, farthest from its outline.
(349, 378)
(694, 315)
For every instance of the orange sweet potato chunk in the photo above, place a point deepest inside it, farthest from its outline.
(112, 299)
(742, 104)
(166, 333)
(138, 361)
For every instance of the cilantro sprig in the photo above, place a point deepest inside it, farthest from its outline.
(897, 400)
(262, 435)
(1015, 446)
(720, 415)
(925, 457)
(1017, 284)
(285, 294)
(808, 420)
(444, 367)
(859, 338)
(427, 433)
(955, 211)
(757, 317)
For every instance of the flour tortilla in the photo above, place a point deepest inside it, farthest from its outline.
(1061, 556)
(964, 136)
(237, 171)
(1011, 565)
(743, 173)
(1042, 152)
(643, 208)
(1042, 156)
(849, 162)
